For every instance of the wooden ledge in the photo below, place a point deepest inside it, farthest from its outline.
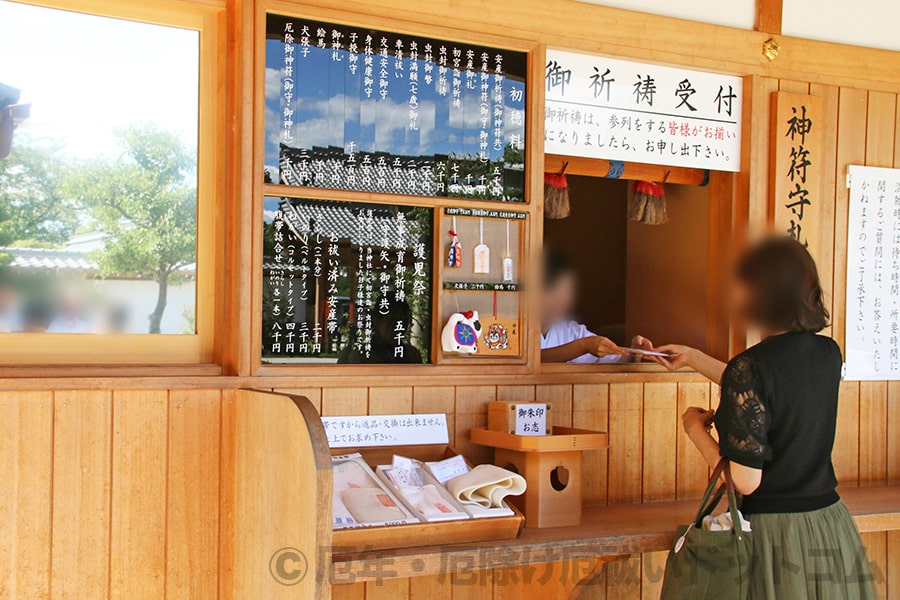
(605, 531)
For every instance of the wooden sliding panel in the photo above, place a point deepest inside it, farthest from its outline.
(192, 493)
(26, 467)
(82, 451)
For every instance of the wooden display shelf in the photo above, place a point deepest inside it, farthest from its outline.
(561, 439)
(605, 531)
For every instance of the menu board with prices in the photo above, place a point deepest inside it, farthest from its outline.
(353, 108)
(346, 282)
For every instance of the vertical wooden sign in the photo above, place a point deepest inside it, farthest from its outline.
(796, 167)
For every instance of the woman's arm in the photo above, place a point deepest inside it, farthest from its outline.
(697, 424)
(594, 344)
(685, 356)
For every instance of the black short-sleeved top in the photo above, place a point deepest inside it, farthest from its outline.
(778, 413)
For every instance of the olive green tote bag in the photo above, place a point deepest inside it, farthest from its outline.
(710, 564)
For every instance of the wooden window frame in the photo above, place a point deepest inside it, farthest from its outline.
(52, 352)
(533, 205)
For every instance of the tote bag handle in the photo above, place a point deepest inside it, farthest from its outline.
(714, 493)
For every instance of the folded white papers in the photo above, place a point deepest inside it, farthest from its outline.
(486, 486)
(360, 500)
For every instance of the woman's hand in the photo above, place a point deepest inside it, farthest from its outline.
(681, 356)
(696, 419)
(600, 346)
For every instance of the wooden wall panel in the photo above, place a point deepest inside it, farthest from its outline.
(851, 150)
(590, 410)
(624, 479)
(846, 442)
(872, 433)
(471, 411)
(192, 490)
(692, 472)
(138, 504)
(82, 444)
(893, 436)
(429, 588)
(26, 468)
(390, 401)
(828, 123)
(440, 399)
(660, 433)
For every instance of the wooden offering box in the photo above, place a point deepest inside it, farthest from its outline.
(551, 465)
(361, 539)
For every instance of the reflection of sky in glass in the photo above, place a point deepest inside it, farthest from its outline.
(88, 76)
(331, 107)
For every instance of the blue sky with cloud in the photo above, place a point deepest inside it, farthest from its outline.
(331, 108)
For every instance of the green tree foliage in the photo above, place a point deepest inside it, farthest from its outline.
(146, 203)
(33, 212)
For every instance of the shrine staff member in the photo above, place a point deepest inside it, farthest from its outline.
(566, 340)
(776, 424)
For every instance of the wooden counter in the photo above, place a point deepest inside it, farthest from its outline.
(605, 531)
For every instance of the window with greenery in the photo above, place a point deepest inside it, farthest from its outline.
(98, 196)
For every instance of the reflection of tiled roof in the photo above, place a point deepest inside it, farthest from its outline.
(48, 259)
(331, 167)
(341, 220)
(43, 259)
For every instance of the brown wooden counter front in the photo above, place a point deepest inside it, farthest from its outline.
(606, 531)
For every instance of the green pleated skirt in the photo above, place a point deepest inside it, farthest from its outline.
(815, 555)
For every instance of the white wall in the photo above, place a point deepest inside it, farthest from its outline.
(732, 13)
(872, 23)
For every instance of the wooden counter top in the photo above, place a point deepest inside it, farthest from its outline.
(604, 531)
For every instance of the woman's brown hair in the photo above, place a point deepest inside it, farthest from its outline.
(785, 292)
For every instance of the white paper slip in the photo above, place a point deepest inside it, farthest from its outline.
(648, 352)
(447, 469)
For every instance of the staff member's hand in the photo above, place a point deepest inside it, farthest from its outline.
(600, 346)
(696, 419)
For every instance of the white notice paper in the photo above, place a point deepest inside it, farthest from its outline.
(873, 275)
(386, 430)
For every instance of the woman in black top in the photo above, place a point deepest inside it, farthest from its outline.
(776, 423)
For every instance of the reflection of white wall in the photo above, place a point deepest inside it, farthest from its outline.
(871, 23)
(733, 13)
(140, 297)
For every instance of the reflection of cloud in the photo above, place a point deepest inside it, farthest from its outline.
(273, 82)
(324, 126)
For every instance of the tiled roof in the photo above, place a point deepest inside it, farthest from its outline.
(44, 259)
(48, 259)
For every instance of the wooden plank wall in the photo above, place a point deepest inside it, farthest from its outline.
(115, 494)
(109, 494)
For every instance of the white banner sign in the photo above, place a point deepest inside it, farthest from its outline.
(599, 107)
(386, 430)
(873, 274)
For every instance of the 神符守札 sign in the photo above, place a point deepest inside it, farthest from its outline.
(599, 107)
(796, 153)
